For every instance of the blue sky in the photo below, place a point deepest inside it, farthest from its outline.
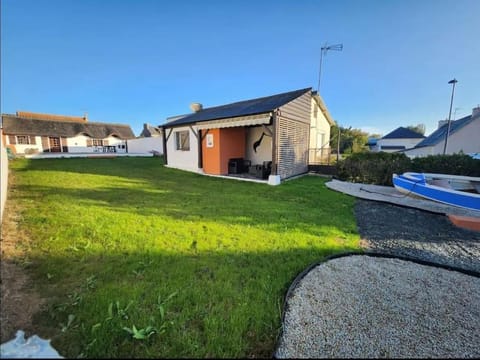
(141, 61)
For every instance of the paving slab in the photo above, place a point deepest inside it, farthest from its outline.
(391, 195)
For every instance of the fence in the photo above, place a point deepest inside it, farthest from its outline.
(321, 156)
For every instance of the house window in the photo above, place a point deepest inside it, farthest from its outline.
(25, 140)
(96, 142)
(182, 140)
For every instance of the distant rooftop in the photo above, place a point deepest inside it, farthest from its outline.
(403, 133)
(439, 134)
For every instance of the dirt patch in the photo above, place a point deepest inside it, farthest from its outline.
(19, 301)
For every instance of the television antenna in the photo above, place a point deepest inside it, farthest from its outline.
(323, 51)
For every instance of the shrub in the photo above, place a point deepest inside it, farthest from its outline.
(378, 168)
(456, 164)
(373, 168)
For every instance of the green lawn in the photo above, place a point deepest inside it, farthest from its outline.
(199, 265)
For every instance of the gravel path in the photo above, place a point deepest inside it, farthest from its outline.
(365, 306)
(369, 307)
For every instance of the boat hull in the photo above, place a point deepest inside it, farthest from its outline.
(416, 184)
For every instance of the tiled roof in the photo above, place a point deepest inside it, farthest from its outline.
(241, 108)
(25, 126)
(439, 134)
(403, 133)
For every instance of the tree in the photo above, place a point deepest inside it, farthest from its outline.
(351, 140)
(420, 128)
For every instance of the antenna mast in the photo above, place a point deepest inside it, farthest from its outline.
(323, 50)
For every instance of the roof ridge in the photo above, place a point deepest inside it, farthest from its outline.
(257, 98)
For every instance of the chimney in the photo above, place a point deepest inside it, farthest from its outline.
(476, 111)
(85, 116)
(196, 107)
(441, 123)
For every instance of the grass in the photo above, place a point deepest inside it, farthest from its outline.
(139, 260)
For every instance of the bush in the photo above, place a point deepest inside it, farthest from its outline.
(372, 168)
(456, 164)
(378, 168)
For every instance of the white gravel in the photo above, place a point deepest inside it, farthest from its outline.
(372, 307)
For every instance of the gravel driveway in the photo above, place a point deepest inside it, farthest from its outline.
(417, 234)
(364, 306)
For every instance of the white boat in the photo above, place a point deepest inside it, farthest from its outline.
(456, 182)
(461, 191)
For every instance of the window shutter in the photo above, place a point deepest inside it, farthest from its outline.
(105, 142)
(63, 142)
(89, 143)
(45, 144)
(12, 140)
(33, 140)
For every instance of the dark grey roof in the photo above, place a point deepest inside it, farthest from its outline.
(241, 108)
(403, 133)
(21, 126)
(439, 134)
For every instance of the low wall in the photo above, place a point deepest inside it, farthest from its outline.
(145, 145)
(3, 176)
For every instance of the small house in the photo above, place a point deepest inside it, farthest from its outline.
(398, 140)
(29, 133)
(263, 137)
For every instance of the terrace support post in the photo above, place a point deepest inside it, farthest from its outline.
(165, 139)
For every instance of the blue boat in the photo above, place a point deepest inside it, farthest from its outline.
(461, 191)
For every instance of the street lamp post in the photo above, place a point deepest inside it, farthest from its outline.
(447, 134)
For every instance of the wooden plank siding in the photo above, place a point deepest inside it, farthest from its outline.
(293, 137)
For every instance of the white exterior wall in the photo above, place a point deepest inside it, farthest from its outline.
(145, 145)
(264, 151)
(420, 152)
(318, 126)
(408, 143)
(20, 148)
(185, 160)
(467, 139)
(77, 144)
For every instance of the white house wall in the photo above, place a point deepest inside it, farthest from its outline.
(77, 144)
(319, 134)
(264, 151)
(21, 148)
(185, 160)
(407, 143)
(467, 139)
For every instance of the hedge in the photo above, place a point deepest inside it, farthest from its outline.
(378, 168)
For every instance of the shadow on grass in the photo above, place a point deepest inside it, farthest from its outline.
(226, 304)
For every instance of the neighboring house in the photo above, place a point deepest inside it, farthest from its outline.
(464, 136)
(398, 140)
(150, 131)
(28, 133)
(268, 135)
